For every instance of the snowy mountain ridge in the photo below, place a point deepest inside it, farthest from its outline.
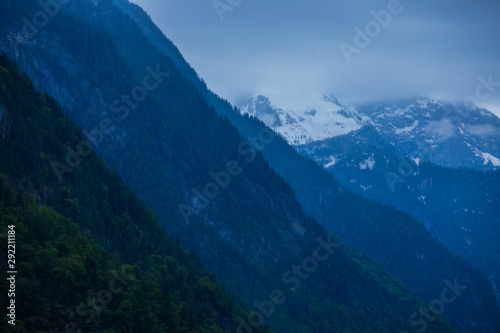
(447, 134)
(304, 122)
(424, 129)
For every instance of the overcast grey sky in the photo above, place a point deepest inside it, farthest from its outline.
(436, 48)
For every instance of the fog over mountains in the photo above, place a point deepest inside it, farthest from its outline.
(437, 49)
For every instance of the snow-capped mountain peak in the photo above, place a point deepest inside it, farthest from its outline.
(304, 121)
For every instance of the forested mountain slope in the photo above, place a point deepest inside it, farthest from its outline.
(400, 244)
(69, 256)
(460, 207)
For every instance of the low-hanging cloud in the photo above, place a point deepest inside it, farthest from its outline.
(430, 48)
